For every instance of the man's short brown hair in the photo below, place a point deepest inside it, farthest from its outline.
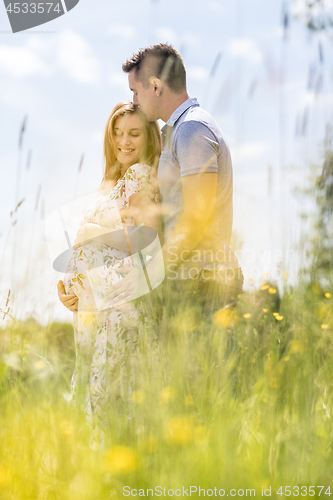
(160, 60)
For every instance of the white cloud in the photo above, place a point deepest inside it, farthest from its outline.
(77, 59)
(22, 61)
(70, 52)
(198, 73)
(165, 34)
(123, 31)
(245, 48)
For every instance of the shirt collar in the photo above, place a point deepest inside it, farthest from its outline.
(181, 110)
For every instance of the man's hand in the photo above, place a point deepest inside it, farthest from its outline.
(131, 287)
(69, 301)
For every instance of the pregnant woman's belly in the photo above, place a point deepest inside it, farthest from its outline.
(90, 261)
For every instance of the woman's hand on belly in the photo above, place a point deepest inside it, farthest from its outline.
(69, 301)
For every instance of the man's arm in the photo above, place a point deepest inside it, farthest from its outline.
(199, 193)
(196, 149)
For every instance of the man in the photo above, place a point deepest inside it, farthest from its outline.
(195, 181)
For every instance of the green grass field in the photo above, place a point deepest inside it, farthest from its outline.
(202, 415)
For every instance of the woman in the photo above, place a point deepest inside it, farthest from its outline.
(107, 340)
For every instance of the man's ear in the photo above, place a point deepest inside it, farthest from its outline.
(157, 84)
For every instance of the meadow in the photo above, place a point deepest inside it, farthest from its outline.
(243, 417)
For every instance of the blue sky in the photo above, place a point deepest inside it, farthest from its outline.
(67, 80)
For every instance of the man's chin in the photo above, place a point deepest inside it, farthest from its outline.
(150, 118)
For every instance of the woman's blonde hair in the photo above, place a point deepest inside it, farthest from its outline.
(153, 148)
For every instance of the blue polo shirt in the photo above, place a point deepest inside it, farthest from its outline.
(193, 144)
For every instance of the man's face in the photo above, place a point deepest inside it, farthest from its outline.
(143, 97)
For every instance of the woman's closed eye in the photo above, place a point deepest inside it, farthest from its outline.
(119, 134)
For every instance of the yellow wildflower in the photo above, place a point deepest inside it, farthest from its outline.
(328, 295)
(120, 459)
(167, 394)
(247, 315)
(286, 273)
(250, 279)
(225, 318)
(272, 290)
(179, 430)
(264, 287)
(279, 318)
(324, 326)
(286, 358)
(275, 314)
(265, 310)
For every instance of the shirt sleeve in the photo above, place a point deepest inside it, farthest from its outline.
(196, 149)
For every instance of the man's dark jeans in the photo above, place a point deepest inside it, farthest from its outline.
(203, 296)
(189, 308)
